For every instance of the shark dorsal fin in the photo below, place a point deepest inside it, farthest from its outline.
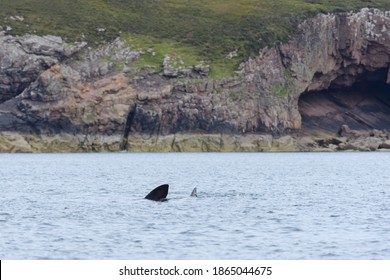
(158, 194)
(194, 192)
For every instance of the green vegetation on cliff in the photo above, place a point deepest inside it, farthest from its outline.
(198, 30)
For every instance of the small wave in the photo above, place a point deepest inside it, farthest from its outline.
(29, 217)
(104, 190)
(5, 214)
(386, 251)
(4, 217)
(292, 229)
(291, 215)
(47, 224)
(277, 251)
(59, 239)
(329, 255)
(189, 232)
(275, 220)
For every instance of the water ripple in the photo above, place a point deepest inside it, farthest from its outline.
(250, 206)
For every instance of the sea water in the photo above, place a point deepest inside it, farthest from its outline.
(249, 206)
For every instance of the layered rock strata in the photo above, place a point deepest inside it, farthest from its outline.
(329, 51)
(58, 95)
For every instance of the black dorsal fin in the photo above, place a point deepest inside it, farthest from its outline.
(194, 192)
(158, 194)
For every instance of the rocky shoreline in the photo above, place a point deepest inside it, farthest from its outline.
(13, 142)
(61, 97)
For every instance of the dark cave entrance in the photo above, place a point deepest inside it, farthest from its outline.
(363, 105)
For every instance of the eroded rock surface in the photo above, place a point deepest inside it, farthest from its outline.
(329, 51)
(46, 91)
(23, 59)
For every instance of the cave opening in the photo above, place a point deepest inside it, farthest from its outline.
(361, 102)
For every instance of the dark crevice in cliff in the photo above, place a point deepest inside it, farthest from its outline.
(363, 105)
(128, 125)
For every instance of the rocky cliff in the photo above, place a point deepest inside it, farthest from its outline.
(65, 97)
(328, 51)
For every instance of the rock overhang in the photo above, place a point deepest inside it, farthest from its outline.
(330, 50)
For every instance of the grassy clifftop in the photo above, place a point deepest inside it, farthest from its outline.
(210, 28)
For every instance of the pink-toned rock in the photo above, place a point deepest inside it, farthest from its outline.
(90, 96)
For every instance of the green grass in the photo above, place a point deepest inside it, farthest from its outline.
(156, 49)
(192, 30)
(280, 91)
(182, 55)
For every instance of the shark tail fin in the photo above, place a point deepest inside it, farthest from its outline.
(194, 192)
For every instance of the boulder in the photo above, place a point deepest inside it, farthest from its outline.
(385, 145)
(365, 144)
(22, 59)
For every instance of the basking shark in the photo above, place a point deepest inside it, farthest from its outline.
(160, 193)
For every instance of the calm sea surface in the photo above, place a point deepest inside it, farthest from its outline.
(250, 206)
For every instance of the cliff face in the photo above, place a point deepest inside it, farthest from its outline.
(49, 88)
(328, 51)
(23, 59)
